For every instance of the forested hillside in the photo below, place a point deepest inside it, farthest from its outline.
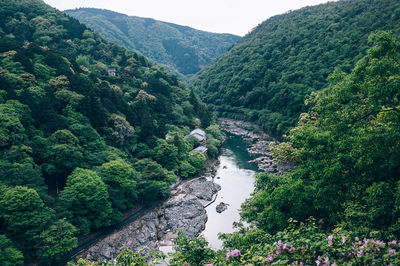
(82, 132)
(182, 50)
(267, 75)
(341, 203)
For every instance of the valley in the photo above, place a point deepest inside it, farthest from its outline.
(284, 150)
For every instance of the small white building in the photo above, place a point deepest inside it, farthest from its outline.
(112, 72)
(200, 149)
(200, 135)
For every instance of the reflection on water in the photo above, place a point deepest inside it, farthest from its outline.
(236, 178)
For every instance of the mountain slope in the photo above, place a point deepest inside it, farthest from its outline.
(266, 76)
(183, 50)
(82, 132)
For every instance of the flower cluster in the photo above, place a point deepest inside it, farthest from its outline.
(232, 254)
(324, 262)
(337, 249)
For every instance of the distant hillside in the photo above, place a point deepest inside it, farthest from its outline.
(266, 76)
(82, 132)
(183, 50)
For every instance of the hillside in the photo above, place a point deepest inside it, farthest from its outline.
(182, 50)
(82, 132)
(266, 76)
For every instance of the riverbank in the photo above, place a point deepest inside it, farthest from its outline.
(185, 209)
(258, 144)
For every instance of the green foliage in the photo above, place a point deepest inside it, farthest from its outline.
(154, 181)
(13, 117)
(24, 216)
(284, 152)
(56, 241)
(9, 256)
(85, 201)
(347, 148)
(121, 180)
(309, 243)
(182, 50)
(197, 160)
(61, 112)
(194, 252)
(269, 73)
(166, 154)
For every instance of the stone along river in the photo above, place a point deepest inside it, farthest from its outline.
(222, 190)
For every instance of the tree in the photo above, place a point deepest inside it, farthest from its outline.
(120, 178)
(14, 116)
(62, 156)
(85, 201)
(56, 241)
(347, 149)
(9, 256)
(194, 252)
(166, 154)
(197, 160)
(25, 216)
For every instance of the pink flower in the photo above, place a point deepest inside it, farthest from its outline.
(270, 258)
(318, 261)
(330, 240)
(233, 253)
(292, 249)
(392, 243)
(344, 239)
(391, 252)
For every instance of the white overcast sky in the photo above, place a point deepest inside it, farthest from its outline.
(223, 16)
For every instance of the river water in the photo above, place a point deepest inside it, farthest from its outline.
(236, 177)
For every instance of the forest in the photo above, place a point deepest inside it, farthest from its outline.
(89, 130)
(79, 145)
(266, 77)
(341, 203)
(182, 50)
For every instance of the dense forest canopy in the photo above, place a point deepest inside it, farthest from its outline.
(82, 132)
(268, 74)
(341, 204)
(181, 49)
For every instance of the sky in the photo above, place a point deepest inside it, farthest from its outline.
(222, 16)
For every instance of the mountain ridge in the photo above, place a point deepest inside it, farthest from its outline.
(268, 74)
(181, 49)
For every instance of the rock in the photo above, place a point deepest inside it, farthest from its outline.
(188, 215)
(225, 167)
(183, 210)
(222, 206)
(203, 189)
(258, 144)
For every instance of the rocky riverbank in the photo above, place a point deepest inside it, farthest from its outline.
(258, 144)
(185, 209)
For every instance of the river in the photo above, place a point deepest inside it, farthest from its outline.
(236, 178)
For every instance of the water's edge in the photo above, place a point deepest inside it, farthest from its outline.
(192, 204)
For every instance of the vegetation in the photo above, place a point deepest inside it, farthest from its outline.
(182, 50)
(269, 73)
(340, 205)
(79, 146)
